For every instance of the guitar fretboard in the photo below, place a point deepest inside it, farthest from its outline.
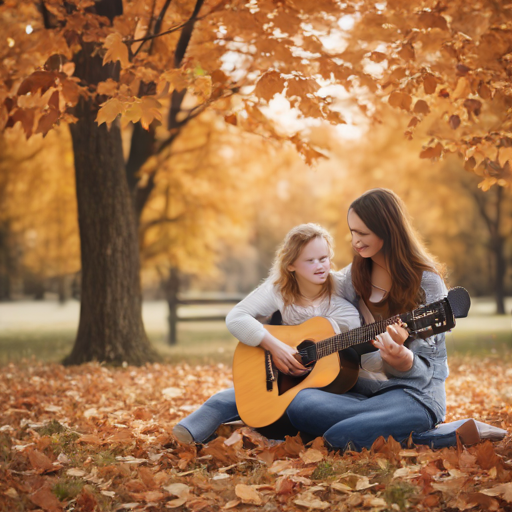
(353, 337)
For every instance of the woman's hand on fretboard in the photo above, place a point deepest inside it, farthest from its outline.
(392, 349)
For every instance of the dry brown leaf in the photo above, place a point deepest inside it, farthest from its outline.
(40, 462)
(231, 504)
(178, 502)
(311, 456)
(248, 494)
(45, 499)
(310, 501)
(504, 491)
(177, 489)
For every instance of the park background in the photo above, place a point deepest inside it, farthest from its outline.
(160, 150)
(232, 197)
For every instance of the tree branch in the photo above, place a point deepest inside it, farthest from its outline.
(154, 36)
(162, 220)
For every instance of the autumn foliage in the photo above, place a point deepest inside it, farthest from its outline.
(446, 64)
(98, 438)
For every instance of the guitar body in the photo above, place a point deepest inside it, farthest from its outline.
(334, 364)
(257, 406)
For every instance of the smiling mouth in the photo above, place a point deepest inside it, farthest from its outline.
(359, 249)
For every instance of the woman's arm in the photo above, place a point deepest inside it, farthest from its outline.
(419, 357)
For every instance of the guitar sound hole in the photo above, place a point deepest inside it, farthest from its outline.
(286, 382)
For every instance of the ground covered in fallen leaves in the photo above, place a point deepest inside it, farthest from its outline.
(97, 438)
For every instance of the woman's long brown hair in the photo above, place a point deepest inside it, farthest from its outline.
(384, 213)
(293, 243)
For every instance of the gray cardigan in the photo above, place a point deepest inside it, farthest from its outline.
(425, 380)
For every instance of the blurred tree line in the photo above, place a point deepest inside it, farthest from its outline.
(224, 199)
(152, 92)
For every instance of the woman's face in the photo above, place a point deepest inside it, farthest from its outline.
(364, 241)
(313, 263)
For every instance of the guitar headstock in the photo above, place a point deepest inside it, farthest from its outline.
(439, 316)
(460, 302)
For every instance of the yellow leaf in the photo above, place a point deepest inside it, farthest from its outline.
(269, 84)
(429, 84)
(462, 89)
(175, 78)
(401, 100)
(432, 152)
(109, 87)
(421, 107)
(150, 110)
(109, 111)
(202, 87)
(487, 183)
(116, 50)
(504, 156)
(132, 114)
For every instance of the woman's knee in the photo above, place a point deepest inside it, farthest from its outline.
(222, 400)
(304, 404)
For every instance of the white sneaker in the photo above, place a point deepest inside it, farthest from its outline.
(182, 435)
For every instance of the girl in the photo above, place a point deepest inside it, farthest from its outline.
(401, 387)
(300, 286)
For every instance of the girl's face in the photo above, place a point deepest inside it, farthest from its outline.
(364, 241)
(313, 263)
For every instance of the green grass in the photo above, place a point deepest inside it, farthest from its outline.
(67, 488)
(479, 343)
(200, 343)
(211, 343)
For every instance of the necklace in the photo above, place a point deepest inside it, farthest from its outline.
(378, 287)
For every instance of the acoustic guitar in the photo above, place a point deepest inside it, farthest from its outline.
(263, 393)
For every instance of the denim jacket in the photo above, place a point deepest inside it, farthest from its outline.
(425, 380)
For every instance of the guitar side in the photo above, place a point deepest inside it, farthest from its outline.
(258, 407)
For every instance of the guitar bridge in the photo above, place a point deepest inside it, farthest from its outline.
(269, 371)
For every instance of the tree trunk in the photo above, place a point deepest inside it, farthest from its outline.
(172, 288)
(110, 327)
(498, 246)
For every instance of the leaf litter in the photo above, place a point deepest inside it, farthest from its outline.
(95, 438)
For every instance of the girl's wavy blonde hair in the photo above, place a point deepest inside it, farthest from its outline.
(293, 243)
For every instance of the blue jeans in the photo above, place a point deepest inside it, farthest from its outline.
(356, 419)
(442, 436)
(218, 409)
(392, 413)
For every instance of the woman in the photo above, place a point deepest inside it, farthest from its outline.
(300, 286)
(400, 389)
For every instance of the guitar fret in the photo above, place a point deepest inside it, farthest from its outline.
(354, 337)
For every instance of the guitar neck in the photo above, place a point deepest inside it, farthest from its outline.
(353, 337)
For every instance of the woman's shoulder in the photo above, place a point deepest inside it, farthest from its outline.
(433, 285)
(343, 286)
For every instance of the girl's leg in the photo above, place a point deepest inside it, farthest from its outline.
(201, 424)
(352, 418)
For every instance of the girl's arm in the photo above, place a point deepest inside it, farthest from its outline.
(242, 324)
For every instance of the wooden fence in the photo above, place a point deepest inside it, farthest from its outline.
(176, 300)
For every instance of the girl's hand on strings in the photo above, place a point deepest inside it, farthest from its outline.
(392, 349)
(283, 356)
